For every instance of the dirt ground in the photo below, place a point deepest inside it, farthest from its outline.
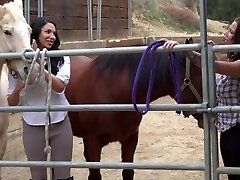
(165, 137)
(145, 25)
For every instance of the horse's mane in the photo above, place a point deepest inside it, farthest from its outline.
(115, 63)
(14, 9)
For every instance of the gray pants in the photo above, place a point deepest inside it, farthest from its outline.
(61, 142)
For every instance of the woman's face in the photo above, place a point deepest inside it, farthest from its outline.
(47, 36)
(230, 33)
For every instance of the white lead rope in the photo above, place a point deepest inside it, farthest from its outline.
(23, 93)
(47, 148)
(41, 77)
(36, 55)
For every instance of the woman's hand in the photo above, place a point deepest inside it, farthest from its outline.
(169, 44)
(210, 42)
(13, 99)
(34, 45)
(194, 56)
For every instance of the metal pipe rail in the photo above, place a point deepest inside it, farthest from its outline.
(226, 48)
(104, 107)
(223, 109)
(97, 165)
(228, 170)
(97, 51)
(198, 108)
(116, 50)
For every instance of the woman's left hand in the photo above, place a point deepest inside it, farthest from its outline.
(34, 45)
(169, 44)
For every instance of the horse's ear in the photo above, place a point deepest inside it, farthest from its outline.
(189, 41)
(3, 11)
(19, 3)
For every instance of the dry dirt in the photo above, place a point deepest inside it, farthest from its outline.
(145, 25)
(165, 137)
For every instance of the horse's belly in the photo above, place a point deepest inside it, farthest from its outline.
(113, 126)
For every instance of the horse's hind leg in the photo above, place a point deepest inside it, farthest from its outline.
(92, 153)
(128, 150)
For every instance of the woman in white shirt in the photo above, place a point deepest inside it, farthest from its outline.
(44, 35)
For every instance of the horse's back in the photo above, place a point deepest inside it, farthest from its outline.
(95, 82)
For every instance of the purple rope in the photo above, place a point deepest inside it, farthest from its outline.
(175, 67)
(174, 71)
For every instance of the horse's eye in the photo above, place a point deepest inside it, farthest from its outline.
(7, 32)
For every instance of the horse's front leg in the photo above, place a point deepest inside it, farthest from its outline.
(4, 121)
(92, 153)
(128, 149)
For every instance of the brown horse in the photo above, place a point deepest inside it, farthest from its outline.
(109, 79)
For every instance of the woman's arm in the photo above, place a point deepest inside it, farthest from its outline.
(222, 67)
(228, 68)
(60, 81)
(193, 56)
(13, 99)
(57, 84)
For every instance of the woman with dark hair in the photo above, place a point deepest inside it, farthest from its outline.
(228, 94)
(44, 35)
(43, 43)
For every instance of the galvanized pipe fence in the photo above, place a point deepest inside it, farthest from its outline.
(199, 108)
(102, 107)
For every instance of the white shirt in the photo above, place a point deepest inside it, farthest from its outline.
(36, 94)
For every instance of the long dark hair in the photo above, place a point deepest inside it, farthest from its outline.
(36, 26)
(236, 40)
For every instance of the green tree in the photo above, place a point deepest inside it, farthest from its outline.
(223, 10)
(211, 4)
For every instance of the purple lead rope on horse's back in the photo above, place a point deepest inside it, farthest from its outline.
(174, 70)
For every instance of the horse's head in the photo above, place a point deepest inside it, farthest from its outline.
(192, 87)
(192, 93)
(14, 35)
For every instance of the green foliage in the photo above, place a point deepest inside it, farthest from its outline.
(223, 10)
